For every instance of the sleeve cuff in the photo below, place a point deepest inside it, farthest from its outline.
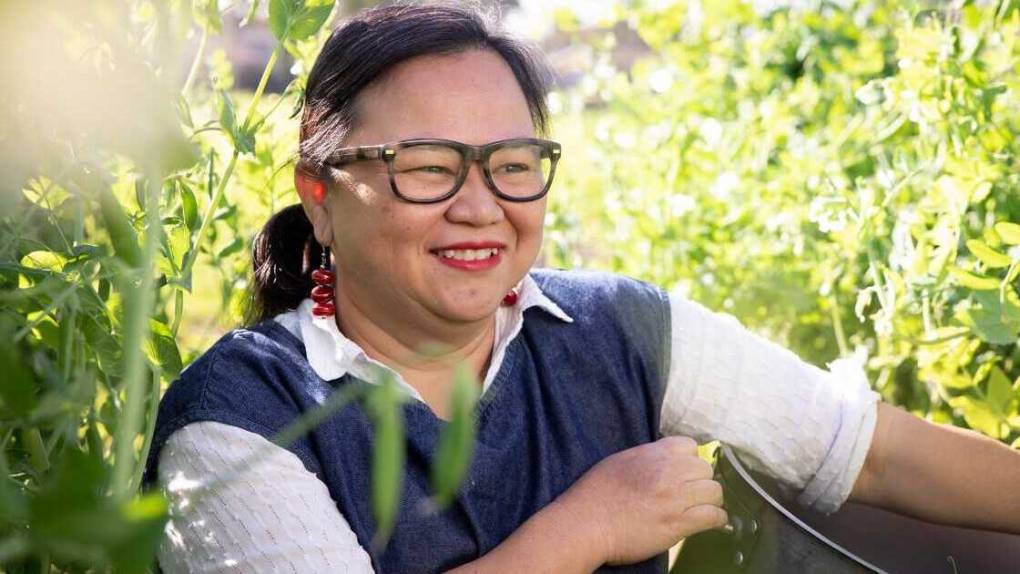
(830, 487)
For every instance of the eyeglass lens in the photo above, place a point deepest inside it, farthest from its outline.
(427, 171)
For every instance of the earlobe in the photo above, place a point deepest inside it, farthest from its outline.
(322, 225)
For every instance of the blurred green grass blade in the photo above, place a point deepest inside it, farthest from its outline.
(456, 439)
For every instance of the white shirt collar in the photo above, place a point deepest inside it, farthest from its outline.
(332, 355)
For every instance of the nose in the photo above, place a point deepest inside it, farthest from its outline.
(474, 203)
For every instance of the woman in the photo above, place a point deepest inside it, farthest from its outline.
(423, 176)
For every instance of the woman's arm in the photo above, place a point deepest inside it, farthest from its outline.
(807, 427)
(629, 507)
(236, 530)
(553, 540)
(940, 473)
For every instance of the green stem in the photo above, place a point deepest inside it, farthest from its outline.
(137, 308)
(268, 71)
(150, 428)
(221, 188)
(837, 325)
(193, 71)
(47, 312)
(32, 440)
(67, 344)
(178, 311)
(207, 218)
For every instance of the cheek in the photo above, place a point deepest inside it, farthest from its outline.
(529, 223)
(402, 229)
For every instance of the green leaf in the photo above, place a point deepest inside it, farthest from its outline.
(1005, 304)
(280, 12)
(456, 440)
(144, 517)
(118, 226)
(999, 392)
(298, 19)
(228, 117)
(979, 415)
(18, 391)
(179, 242)
(190, 207)
(1016, 443)
(990, 257)
(309, 21)
(48, 260)
(974, 281)
(207, 14)
(100, 338)
(70, 506)
(1008, 232)
(227, 213)
(384, 405)
(162, 349)
(243, 138)
(233, 247)
(994, 321)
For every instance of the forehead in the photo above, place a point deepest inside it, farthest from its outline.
(471, 96)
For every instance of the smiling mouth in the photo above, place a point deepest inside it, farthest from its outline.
(470, 259)
(467, 254)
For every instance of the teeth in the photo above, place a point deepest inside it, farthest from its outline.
(468, 254)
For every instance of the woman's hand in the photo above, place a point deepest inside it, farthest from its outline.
(627, 508)
(643, 500)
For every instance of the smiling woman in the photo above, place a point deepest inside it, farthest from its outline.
(423, 176)
(473, 97)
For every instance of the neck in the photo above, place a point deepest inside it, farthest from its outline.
(425, 351)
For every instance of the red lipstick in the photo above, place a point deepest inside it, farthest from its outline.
(474, 264)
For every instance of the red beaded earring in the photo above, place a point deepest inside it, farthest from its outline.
(322, 293)
(510, 298)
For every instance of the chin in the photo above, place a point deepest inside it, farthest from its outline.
(468, 309)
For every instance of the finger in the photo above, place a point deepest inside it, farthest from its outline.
(702, 517)
(680, 444)
(694, 468)
(699, 492)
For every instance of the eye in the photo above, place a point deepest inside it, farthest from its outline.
(429, 170)
(514, 168)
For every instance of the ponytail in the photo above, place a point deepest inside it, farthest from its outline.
(283, 256)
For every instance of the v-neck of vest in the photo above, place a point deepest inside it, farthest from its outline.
(507, 371)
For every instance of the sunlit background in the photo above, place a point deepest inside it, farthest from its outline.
(843, 177)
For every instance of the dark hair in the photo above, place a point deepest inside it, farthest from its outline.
(358, 53)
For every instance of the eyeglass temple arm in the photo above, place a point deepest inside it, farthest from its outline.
(356, 154)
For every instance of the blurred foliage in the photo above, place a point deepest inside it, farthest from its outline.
(843, 178)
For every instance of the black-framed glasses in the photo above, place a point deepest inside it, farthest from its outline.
(433, 170)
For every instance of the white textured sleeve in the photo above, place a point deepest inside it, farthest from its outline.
(273, 517)
(809, 428)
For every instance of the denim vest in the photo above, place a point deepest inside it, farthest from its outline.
(566, 396)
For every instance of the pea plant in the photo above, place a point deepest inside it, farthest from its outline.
(130, 194)
(844, 178)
